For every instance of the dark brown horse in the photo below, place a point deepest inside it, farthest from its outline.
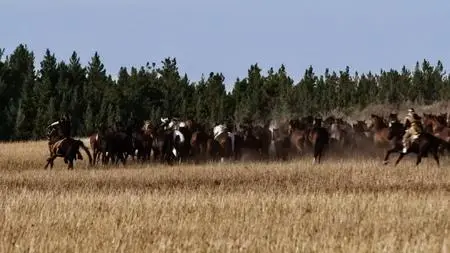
(423, 144)
(279, 141)
(223, 143)
(199, 142)
(68, 149)
(319, 138)
(252, 141)
(143, 141)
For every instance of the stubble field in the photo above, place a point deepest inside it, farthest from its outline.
(343, 205)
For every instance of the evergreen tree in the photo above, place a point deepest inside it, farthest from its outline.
(94, 92)
(45, 91)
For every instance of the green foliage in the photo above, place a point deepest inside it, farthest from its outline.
(30, 100)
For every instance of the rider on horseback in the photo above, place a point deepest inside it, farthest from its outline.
(414, 130)
(63, 127)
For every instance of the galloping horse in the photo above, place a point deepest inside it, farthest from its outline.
(198, 141)
(437, 126)
(319, 137)
(340, 133)
(423, 145)
(223, 142)
(95, 140)
(380, 130)
(297, 135)
(143, 139)
(67, 148)
(279, 141)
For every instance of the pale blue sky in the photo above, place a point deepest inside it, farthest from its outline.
(228, 36)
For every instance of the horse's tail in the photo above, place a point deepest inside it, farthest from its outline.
(81, 144)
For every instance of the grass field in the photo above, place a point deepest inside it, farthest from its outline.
(343, 205)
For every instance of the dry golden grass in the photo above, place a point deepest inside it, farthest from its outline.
(343, 205)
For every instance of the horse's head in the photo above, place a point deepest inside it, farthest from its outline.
(53, 135)
(393, 117)
(395, 129)
(317, 122)
(360, 126)
(308, 120)
(295, 124)
(430, 120)
(329, 120)
(442, 118)
(376, 122)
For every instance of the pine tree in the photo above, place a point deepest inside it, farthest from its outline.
(94, 92)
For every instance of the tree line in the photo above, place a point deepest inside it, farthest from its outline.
(31, 97)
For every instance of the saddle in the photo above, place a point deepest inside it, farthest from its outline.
(413, 139)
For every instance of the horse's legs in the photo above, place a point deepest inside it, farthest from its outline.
(50, 161)
(436, 157)
(419, 158)
(79, 156)
(400, 157)
(94, 155)
(388, 153)
(70, 166)
(123, 157)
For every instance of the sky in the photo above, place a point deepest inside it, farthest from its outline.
(228, 36)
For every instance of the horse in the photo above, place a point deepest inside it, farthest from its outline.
(422, 145)
(379, 129)
(340, 133)
(143, 140)
(252, 142)
(181, 142)
(437, 126)
(67, 148)
(264, 135)
(161, 145)
(169, 143)
(117, 145)
(319, 138)
(279, 141)
(199, 140)
(297, 135)
(96, 142)
(55, 134)
(360, 129)
(223, 143)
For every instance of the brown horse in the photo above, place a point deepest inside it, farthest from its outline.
(94, 141)
(68, 149)
(360, 129)
(437, 126)
(380, 130)
(143, 141)
(340, 133)
(222, 143)
(279, 141)
(199, 141)
(298, 136)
